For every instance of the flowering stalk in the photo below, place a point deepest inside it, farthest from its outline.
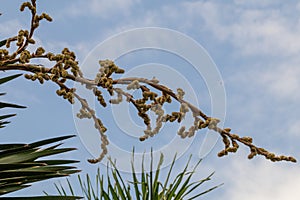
(65, 69)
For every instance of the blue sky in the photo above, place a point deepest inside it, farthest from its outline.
(254, 44)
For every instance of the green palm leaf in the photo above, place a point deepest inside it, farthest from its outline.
(9, 78)
(2, 43)
(10, 105)
(7, 105)
(19, 164)
(42, 198)
(149, 187)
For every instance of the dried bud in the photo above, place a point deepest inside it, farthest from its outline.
(232, 149)
(292, 159)
(119, 71)
(143, 138)
(41, 79)
(184, 108)
(24, 5)
(47, 17)
(222, 153)
(227, 130)
(31, 41)
(103, 129)
(133, 85)
(64, 73)
(180, 93)
(247, 139)
(235, 136)
(235, 144)
(270, 156)
(114, 101)
(226, 141)
(154, 80)
(28, 76)
(251, 155)
(181, 130)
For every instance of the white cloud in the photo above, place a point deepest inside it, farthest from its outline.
(257, 3)
(103, 9)
(10, 28)
(294, 128)
(271, 33)
(253, 31)
(265, 35)
(262, 180)
(283, 82)
(276, 80)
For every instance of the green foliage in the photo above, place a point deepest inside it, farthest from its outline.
(42, 198)
(20, 165)
(2, 43)
(7, 105)
(146, 187)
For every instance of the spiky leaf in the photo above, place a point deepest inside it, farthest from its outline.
(3, 42)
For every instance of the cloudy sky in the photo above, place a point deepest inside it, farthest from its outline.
(254, 44)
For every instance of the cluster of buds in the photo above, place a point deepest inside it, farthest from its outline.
(144, 116)
(230, 143)
(107, 68)
(157, 109)
(28, 5)
(164, 98)
(198, 124)
(270, 156)
(174, 116)
(25, 56)
(229, 148)
(119, 97)
(99, 125)
(64, 61)
(39, 51)
(212, 123)
(133, 85)
(67, 94)
(190, 133)
(275, 158)
(4, 54)
(36, 18)
(104, 141)
(38, 76)
(149, 95)
(84, 113)
(105, 82)
(99, 96)
(23, 35)
(154, 80)
(180, 93)
(184, 108)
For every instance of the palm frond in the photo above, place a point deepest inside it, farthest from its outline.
(149, 187)
(20, 164)
(9, 78)
(2, 42)
(4, 104)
